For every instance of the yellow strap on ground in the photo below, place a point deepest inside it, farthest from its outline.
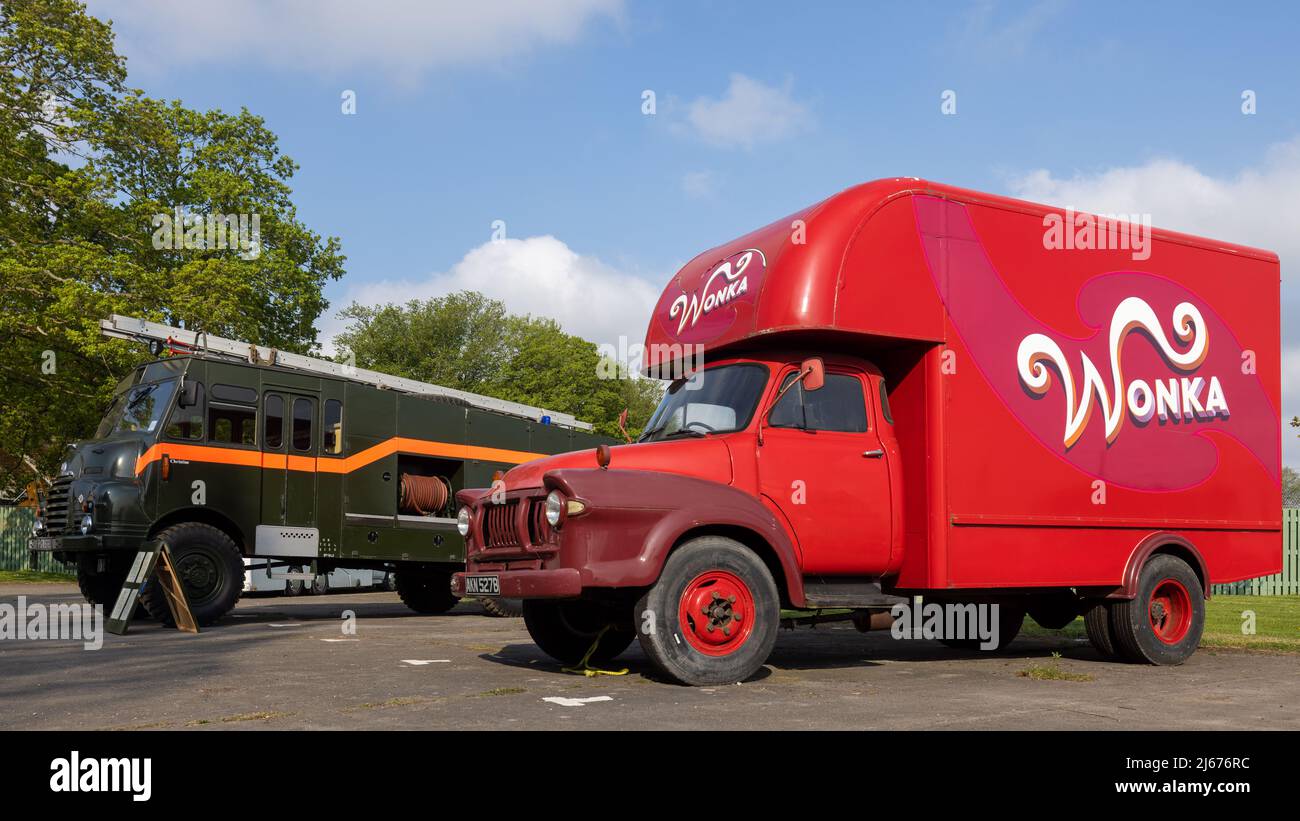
(585, 667)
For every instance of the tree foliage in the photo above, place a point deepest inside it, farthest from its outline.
(87, 167)
(467, 341)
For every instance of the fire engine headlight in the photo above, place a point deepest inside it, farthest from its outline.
(554, 507)
(87, 522)
(462, 521)
(38, 526)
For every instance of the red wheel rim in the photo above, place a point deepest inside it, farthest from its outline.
(1170, 611)
(716, 613)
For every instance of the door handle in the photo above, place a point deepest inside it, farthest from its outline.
(873, 454)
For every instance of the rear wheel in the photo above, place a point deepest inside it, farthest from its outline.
(1096, 620)
(426, 591)
(1162, 624)
(565, 629)
(209, 567)
(713, 615)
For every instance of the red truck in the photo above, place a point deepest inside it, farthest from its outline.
(914, 390)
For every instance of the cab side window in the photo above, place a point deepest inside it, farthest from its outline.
(332, 427)
(302, 419)
(232, 415)
(274, 421)
(839, 406)
(187, 423)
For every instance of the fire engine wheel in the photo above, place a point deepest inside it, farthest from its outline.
(426, 591)
(209, 567)
(103, 588)
(565, 629)
(503, 608)
(713, 615)
(1162, 624)
(1096, 621)
(1011, 617)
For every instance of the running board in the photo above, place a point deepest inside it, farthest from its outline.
(848, 591)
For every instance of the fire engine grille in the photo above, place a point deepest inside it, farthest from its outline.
(499, 525)
(56, 505)
(539, 530)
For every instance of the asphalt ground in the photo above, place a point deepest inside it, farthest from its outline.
(287, 663)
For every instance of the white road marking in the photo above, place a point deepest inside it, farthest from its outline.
(575, 702)
(421, 662)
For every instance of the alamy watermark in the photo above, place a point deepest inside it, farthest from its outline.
(78, 621)
(181, 230)
(1081, 231)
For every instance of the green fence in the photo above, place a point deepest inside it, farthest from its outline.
(1286, 583)
(15, 527)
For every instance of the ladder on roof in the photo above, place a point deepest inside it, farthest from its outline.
(160, 336)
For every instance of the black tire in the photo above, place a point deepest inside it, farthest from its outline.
(320, 585)
(293, 587)
(209, 567)
(565, 629)
(1162, 624)
(503, 608)
(426, 591)
(103, 588)
(697, 640)
(1096, 621)
(1011, 617)
(1054, 610)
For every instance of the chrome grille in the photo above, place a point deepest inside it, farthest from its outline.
(56, 505)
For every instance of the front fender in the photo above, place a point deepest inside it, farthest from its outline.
(635, 518)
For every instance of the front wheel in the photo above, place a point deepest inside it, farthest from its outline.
(1162, 624)
(209, 567)
(426, 591)
(713, 615)
(103, 588)
(566, 629)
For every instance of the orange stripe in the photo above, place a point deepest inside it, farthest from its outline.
(253, 458)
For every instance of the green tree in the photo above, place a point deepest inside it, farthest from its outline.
(87, 168)
(467, 341)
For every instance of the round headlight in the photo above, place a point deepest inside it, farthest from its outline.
(86, 524)
(462, 521)
(554, 507)
(38, 526)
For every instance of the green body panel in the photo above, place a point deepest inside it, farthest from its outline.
(238, 485)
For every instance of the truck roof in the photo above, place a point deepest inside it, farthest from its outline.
(790, 275)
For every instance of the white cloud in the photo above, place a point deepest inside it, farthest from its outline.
(541, 276)
(990, 29)
(749, 113)
(400, 38)
(1255, 206)
(699, 184)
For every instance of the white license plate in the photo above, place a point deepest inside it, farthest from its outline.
(42, 543)
(482, 586)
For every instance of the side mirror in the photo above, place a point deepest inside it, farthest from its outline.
(815, 373)
(189, 394)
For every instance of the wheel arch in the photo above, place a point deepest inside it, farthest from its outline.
(754, 542)
(202, 515)
(1162, 543)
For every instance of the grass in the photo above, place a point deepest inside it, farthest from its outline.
(33, 577)
(1051, 671)
(1277, 624)
(503, 691)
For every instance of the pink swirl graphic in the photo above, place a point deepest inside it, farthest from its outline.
(1141, 423)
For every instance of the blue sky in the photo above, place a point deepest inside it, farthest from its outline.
(531, 113)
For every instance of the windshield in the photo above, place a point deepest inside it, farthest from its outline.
(715, 400)
(138, 410)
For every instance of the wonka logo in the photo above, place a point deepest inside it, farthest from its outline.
(1174, 399)
(726, 282)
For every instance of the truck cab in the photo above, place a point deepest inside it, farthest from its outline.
(904, 391)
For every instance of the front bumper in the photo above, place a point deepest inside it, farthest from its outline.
(90, 543)
(559, 583)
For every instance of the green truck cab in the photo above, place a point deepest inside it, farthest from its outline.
(226, 459)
